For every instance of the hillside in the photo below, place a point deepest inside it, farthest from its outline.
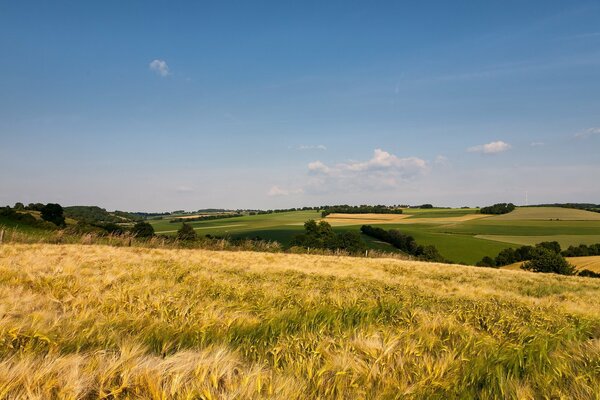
(97, 321)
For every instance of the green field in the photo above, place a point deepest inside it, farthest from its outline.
(466, 241)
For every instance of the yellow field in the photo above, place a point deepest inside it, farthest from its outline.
(547, 213)
(86, 322)
(591, 262)
(366, 219)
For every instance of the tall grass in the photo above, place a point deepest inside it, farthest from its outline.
(88, 321)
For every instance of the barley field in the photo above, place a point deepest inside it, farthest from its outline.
(100, 322)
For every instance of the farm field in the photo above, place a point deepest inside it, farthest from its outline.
(461, 235)
(97, 321)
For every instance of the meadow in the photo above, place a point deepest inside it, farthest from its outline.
(83, 322)
(461, 234)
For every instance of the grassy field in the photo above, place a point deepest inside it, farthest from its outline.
(103, 322)
(461, 235)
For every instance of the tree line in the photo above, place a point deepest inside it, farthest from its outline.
(403, 242)
(543, 257)
(362, 209)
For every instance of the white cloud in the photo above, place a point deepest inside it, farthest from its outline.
(382, 171)
(160, 67)
(278, 191)
(490, 148)
(312, 147)
(587, 133)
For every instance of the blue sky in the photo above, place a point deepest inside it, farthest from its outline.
(169, 105)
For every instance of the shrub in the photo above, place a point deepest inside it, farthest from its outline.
(186, 232)
(548, 261)
(143, 229)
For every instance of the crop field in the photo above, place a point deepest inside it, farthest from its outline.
(461, 235)
(105, 322)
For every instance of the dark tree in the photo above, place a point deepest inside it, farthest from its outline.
(143, 229)
(52, 212)
(552, 246)
(19, 206)
(487, 262)
(186, 232)
(545, 260)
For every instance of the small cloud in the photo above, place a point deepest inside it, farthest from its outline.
(537, 144)
(160, 67)
(587, 133)
(318, 167)
(490, 148)
(276, 191)
(312, 147)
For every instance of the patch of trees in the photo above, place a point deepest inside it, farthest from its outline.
(54, 213)
(363, 209)
(543, 257)
(405, 243)
(322, 236)
(548, 261)
(23, 218)
(95, 215)
(582, 250)
(511, 256)
(498, 208)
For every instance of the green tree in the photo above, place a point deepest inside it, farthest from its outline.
(52, 212)
(186, 232)
(19, 206)
(544, 260)
(143, 229)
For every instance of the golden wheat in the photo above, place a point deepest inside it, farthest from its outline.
(90, 321)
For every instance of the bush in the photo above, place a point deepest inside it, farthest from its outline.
(487, 262)
(548, 261)
(142, 229)
(186, 232)
(589, 274)
(52, 212)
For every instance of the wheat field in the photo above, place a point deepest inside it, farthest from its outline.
(101, 322)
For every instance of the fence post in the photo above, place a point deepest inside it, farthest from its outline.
(1, 235)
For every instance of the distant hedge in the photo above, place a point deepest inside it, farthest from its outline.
(499, 208)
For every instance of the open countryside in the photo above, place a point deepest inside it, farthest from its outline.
(461, 235)
(287, 200)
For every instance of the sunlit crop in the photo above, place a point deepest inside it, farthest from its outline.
(93, 321)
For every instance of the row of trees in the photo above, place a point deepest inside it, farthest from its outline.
(405, 243)
(543, 257)
(582, 250)
(363, 209)
(322, 236)
(498, 208)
